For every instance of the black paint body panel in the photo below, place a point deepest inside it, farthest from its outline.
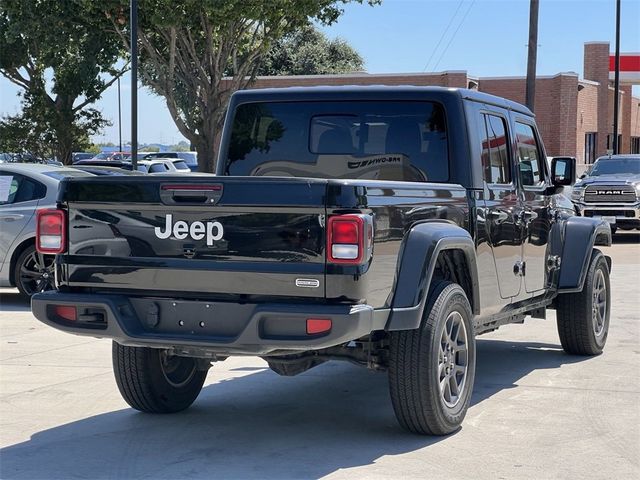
(275, 235)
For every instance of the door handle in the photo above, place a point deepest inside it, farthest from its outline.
(12, 217)
(497, 216)
(174, 194)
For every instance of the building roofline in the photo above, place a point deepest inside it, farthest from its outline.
(597, 43)
(521, 77)
(588, 82)
(612, 89)
(360, 74)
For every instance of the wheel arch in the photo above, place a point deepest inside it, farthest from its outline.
(581, 235)
(15, 255)
(430, 251)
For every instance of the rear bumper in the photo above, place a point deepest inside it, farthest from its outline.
(207, 327)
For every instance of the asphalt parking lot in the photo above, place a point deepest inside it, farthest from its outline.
(536, 412)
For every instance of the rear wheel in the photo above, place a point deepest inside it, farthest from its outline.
(34, 272)
(432, 368)
(152, 381)
(583, 317)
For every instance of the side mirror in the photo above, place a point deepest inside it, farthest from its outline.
(563, 171)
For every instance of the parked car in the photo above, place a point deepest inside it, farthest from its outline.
(164, 166)
(610, 190)
(190, 158)
(113, 156)
(23, 189)
(125, 165)
(386, 226)
(76, 156)
(22, 157)
(106, 170)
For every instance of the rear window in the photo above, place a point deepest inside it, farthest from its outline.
(180, 165)
(371, 140)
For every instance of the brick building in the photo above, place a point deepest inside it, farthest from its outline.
(575, 116)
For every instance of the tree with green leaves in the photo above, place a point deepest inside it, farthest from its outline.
(196, 53)
(308, 51)
(20, 135)
(63, 60)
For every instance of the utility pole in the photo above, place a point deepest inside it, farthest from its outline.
(533, 54)
(119, 118)
(133, 25)
(616, 82)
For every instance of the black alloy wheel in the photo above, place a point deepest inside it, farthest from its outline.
(34, 272)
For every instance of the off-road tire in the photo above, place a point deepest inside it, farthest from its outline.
(414, 370)
(575, 312)
(145, 384)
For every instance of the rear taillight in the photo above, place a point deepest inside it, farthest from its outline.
(51, 231)
(349, 238)
(318, 325)
(67, 312)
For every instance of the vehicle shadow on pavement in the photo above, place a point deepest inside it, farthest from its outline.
(13, 302)
(259, 425)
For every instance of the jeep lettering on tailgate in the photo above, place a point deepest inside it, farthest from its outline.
(195, 231)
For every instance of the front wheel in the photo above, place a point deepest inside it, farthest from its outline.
(152, 381)
(583, 317)
(432, 368)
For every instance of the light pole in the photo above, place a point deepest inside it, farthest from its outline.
(533, 54)
(119, 117)
(133, 25)
(616, 82)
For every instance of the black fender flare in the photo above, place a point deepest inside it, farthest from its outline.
(417, 262)
(580, 236)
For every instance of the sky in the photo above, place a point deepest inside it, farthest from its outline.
(483, 37)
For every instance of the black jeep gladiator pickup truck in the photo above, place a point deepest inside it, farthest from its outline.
(387, 226)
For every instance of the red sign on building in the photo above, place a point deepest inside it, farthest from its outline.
(629, 67)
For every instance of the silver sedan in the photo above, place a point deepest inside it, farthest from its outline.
(24, 188)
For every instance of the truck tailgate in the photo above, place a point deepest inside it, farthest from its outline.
(196, 235)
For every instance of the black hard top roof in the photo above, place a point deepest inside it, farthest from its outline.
(372, 92)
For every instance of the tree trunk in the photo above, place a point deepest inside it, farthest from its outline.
(64, 146)
(64, 128)
(206, 153)
(207, 145)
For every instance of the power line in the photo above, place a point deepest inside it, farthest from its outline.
(443, 34)
(455, 33)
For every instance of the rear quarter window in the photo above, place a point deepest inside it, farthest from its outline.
(180, 165)
(405, 141)
(16, 188)
(158, 168)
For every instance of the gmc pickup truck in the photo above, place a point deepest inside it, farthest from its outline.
(386, 226)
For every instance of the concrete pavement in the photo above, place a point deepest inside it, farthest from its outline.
(536, 413)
